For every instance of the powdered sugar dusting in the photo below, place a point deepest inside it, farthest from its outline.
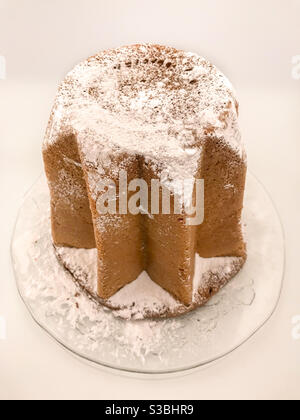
(143, 298)
(146, 100)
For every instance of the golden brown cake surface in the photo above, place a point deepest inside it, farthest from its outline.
(152, 112)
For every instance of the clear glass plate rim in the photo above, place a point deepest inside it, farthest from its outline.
(145, 372)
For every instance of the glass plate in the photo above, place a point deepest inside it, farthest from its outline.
(149, 347)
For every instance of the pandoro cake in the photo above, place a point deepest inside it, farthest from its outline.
(158, 114)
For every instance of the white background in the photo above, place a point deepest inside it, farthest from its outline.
(253, 42)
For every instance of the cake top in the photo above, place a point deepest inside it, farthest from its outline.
(147, 99)
(151, 85)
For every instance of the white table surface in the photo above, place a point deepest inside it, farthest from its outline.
(38, 52)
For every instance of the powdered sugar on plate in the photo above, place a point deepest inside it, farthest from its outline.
(92, 331)
(143, 298)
